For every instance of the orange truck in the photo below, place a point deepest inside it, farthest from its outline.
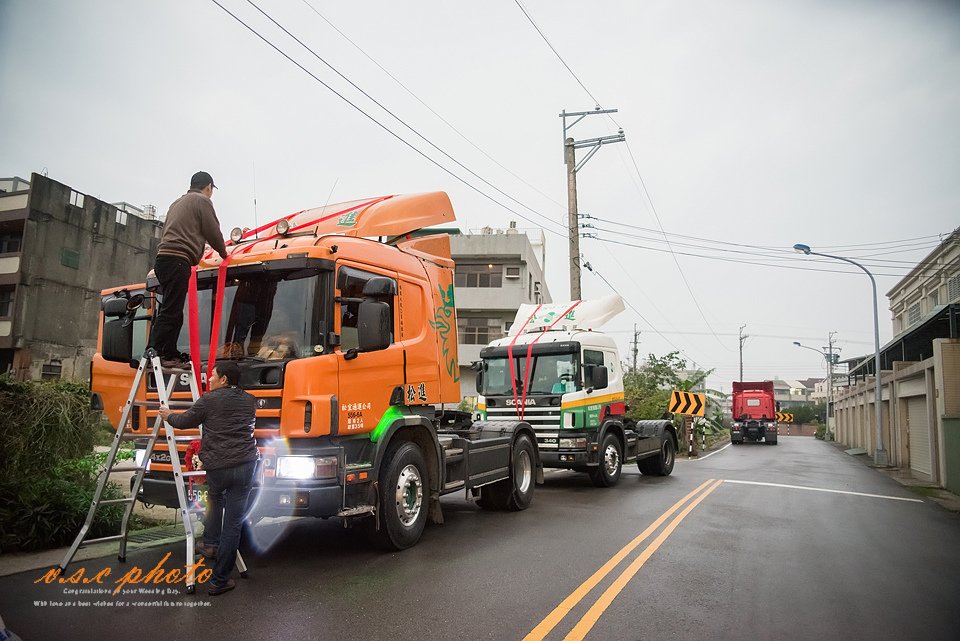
(344, 327)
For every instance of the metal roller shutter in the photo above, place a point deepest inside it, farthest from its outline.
(920, 458)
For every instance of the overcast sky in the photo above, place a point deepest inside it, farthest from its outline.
(758, 123)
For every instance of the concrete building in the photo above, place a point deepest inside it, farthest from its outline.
(790, 393)
(58, 248)
(497, 270)
(920, 375)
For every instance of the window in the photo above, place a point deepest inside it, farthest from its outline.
(10, 243)
(479, 276)
(121, 217)
(76, 199)
(592, 357)
(529, 286)
(478, 331)
(6, 302)
(953, 288)
(350, 282)
(512, 272)
(51, 370)
(70, 258)
(913, 314)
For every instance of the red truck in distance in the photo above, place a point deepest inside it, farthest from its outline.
(754, 413)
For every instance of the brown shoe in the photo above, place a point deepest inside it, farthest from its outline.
(206, 551)
(220, 589)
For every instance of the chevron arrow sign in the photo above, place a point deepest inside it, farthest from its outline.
(784, 418)
(689, 403)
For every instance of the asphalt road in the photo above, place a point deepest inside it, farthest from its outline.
(735, 560)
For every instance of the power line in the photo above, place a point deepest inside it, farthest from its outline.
(428, 107)
(395, 116)
(377, 122)
(783, 256)
(735, 260)
(557, 53)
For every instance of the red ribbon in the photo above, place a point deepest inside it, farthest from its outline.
(193, 314)
(215, 322)
(526, 365)
(513, 376)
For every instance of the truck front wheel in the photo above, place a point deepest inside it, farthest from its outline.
(404, 497)
(516, 492)
(607, 473)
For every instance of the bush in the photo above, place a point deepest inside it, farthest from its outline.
(49, 474)
(821, 432)
(44, 424)
(49, 510)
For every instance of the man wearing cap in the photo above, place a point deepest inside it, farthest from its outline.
(191, 223)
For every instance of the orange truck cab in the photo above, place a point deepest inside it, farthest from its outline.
(345, 331)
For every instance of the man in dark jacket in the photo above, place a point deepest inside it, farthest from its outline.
(229, 455)
(191, 223)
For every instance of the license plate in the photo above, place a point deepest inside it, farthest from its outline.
(197, 495)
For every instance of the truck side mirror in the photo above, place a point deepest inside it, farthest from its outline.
(117, 342)
(598, 377)
(778, 406)
(379, 287)
(480, 381)
(374, 324)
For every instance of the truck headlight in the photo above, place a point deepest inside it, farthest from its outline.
(573, 443)
(736, 424)
(306, 467)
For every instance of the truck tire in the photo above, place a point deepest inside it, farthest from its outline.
(607, 473)
(770, 441)
(404, 497)
(662, 464)
(516, 492)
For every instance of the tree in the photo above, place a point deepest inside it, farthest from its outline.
(647, 390)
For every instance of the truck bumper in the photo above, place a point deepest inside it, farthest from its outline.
(282, 499)
(565, 459)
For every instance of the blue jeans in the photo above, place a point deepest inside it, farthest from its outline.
(228, 491)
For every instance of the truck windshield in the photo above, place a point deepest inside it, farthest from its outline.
(271, 315)
(549, 374)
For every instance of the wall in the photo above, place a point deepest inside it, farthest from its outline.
(69, 254)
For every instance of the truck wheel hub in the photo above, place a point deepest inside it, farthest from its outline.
(611, 460)
(523, 471)
(409, 495)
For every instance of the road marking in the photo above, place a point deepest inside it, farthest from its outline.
(820, 489)
(703, 458)
(551, 620)
(597, 609)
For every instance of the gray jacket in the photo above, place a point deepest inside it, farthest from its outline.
(228, 415)
(191, 223)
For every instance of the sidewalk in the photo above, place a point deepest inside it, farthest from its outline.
(945, 498)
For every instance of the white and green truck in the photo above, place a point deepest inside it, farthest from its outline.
(557, 373)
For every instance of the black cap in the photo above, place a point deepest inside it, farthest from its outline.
(200, 180)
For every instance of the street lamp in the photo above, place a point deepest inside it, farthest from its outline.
(826, 431)
(880, 455)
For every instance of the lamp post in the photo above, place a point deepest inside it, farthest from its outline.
(880, 454)
(826, 429)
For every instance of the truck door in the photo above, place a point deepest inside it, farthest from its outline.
(367, 380)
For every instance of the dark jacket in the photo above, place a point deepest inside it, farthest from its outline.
(228, 415)
(191, 223)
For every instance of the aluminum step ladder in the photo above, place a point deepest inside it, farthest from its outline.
(150, 361)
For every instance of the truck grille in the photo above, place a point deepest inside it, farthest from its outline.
(545, 421)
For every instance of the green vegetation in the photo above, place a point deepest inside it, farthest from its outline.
(647, 391)
(49, 472)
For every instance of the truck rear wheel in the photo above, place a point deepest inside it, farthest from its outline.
(516, 492)
(607, 473)
(404, 497)
(662, 464)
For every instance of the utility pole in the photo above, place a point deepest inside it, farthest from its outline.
(743, 337)
(829, 348)
(570, 159)
(636, 341)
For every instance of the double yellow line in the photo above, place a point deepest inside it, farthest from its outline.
(588, 620)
